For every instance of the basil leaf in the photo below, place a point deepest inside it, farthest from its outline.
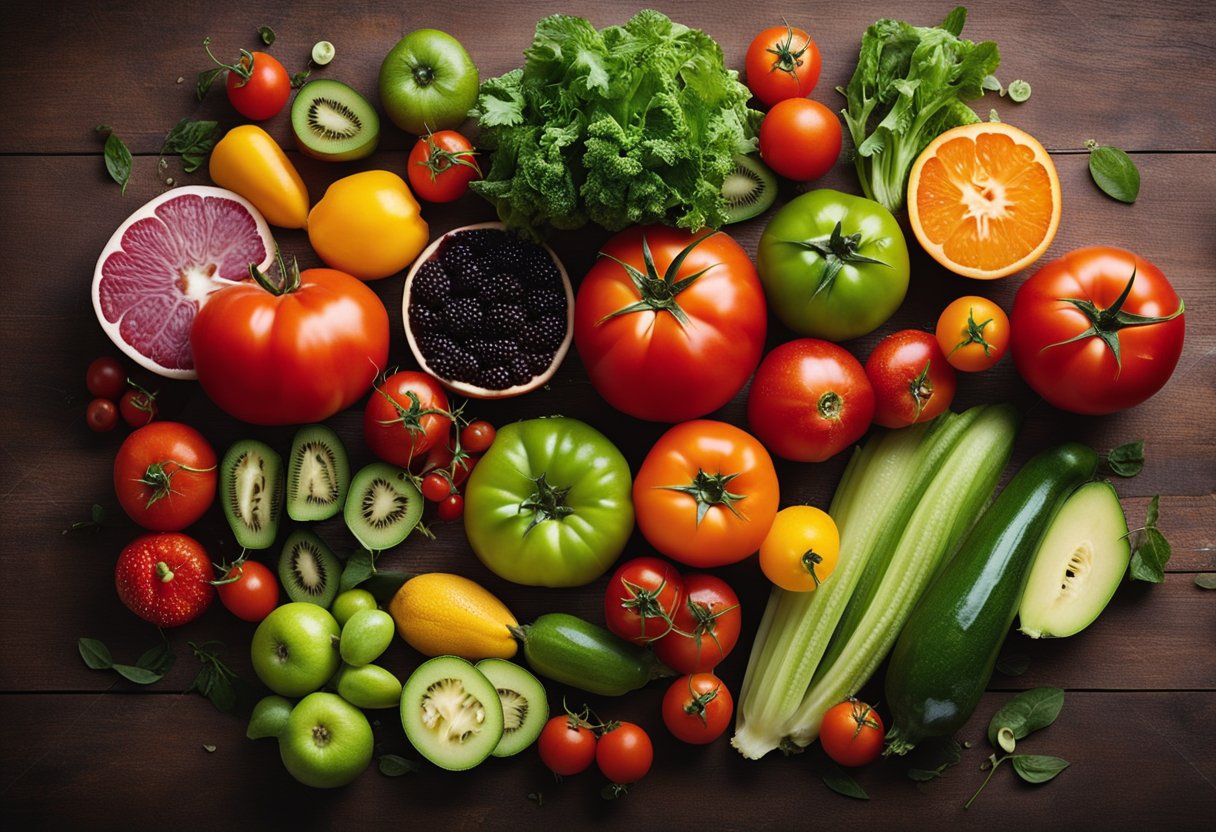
(215, 680)
(157, 659)
(1038, 768)
(1013, 664)
(392, 765)
(205, 79)
(266, 34)
(95, 654)
(1207, 580)
(841, 783)
(357, 570)
(1127, 460)
(118, 158)
(1150, 556)
(138, 675)
(1026, 713)
(1114, 172)
(192, 140)
(1154, 512)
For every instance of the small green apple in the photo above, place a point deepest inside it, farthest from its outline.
(327, 742)
(428, 82)
(350, 602)
(365, 636)
(369, 686)
(295, 648)
(268, 717)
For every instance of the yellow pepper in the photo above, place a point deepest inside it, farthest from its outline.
(248, 161)
(368, 224)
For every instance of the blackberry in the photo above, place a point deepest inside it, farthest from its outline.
(540, 301)
(538, 269)
(436, 345)
(424, 320)
(497, 378)
(462, 316)
(503, 319)
(431, 286)
(546, 333)
(458, 256)
(455, 364)
(537, 362)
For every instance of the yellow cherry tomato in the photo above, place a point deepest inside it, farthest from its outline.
(248, 161)
(368, 224)
(801, 549)
(973, 333)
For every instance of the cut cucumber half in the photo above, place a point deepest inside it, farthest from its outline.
(525, 707)
(451, 713)
(318, 474)
(1078, 566)
(382, 506)
(251, 492)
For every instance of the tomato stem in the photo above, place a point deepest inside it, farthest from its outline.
(546, 503)
(645, 604)
(658, 294)
(837, 252)
(788, 59)
(830, 405)
(163, 572)
(243, 69)
(974, 334)
(438, 160)
(289, 280)
(810, 560)
(710, 490)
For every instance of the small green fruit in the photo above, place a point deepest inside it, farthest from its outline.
(350, 602)
(268, 717)
(365, 636)
(369, 686)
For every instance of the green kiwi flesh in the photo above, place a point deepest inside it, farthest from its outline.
(333, 122)
(382, 506)
(318, 474)
(749, 190)
(251, 492)
(525, 707)
(308, 570)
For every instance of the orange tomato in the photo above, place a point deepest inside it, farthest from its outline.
(973, 332)
(706, 494)
(801, 549)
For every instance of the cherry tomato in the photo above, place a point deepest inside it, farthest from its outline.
(477, 436)
(801, 549)
(697, 708)
(782, 62)
(566, 744)
(406, 415)
(253, 594)
(436, 487)
(105, 378)
(101, 415)
(624, 753)
(852, 733)
(973, 332)
(642, 597)
(442, 165)
(800, 139)
(258, 85)
(707, 626)
(911, 378)
(451, 508)
(137, 406)
(164, 475)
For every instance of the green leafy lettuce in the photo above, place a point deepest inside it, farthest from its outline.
(909, 87)
(630, 125)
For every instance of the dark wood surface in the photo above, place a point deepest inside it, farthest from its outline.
(78, 747)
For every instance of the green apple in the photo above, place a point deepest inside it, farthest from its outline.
(327, 742)
(369, 686)
(268, 717)
(428, 82)
(365, 636)
(295, 648)
(350, 602)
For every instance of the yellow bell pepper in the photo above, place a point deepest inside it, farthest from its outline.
(368, 224)
(248, 161)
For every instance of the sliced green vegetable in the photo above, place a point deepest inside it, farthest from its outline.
(1019, 91)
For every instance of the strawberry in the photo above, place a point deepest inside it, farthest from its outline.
(165, 578)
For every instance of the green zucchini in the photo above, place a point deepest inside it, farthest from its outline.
(945, 654)
(567, 649)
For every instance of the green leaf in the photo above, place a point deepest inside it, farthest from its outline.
(118, 158)
(97, 514)
(357, 570)
(1012, 664)
(1150, 556)
(1127, 460)
(95, 654)
(1037, 768)
(1026, 713)
(1114, 172)
(931, 757)
(205, 79)
(266, 34)
(1206, 580)
(158, 659)
(838, 781)
(991, 84)
(955, 21)
(392, 765)
(215, 680)
(1019, 91)
(192, 140)
(138, 675)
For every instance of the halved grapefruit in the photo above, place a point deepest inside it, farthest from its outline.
(984, 200)
(164, 261)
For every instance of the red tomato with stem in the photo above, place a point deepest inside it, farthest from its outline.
(567, 744)
(290, 352)
(435, 487)
(406, 415)
(852, 733)
(911, 378)
(670, 325)
(101, 415)
(137, 406)
(707, 625)
(165, 578)
(642, 597)
(800, 139)
(624, 753)
(441, 166)
(477, 436)
(809, 400)
(1097, 331)
(249, 590)
(697, 708)
(105, 378)
(258, 85)
(165, 476)
(973, 332)
(782, 62)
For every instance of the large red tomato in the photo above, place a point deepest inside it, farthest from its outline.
(1096, 331)
(670, 325)
(291, 353)
(164, 476)
(810, 400)
(911, 378)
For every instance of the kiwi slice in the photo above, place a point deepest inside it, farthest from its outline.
(451, 713)
(525, 708)
(382, 506)
(308, 570)
(334, 123)
(749, 189)
(318, 474)
(251, 492)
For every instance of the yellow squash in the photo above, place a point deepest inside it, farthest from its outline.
(440, 614)
(248, 161)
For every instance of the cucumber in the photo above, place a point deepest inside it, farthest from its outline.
(567, 649)
(945, 654)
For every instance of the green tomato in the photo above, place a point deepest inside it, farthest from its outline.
(833, 265)
(428, 82)
(549, 504)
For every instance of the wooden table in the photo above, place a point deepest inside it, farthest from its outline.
(81, 748)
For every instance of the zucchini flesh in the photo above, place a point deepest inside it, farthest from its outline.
(945, 655)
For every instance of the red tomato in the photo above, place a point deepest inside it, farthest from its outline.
(451, 508)
(973, 332)
(685, 341)
(1089, 338)
(782, 62)
(258, 86)
(435, 487)
(165, 578)
(101, 415)
(911, 378)
(706, 494)
(852, 733)
(442, 165)
(290, 357)
(697, 708)
(105, 378)
(164, 476)
(624, 753)
(800, 139)
(249, 590)
(137, 406)
(566, 744)
(406, 414)
(477, 436)
(706, 628)
(809, 400)
(642, 597)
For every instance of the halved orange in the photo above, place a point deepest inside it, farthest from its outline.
(984, 200)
